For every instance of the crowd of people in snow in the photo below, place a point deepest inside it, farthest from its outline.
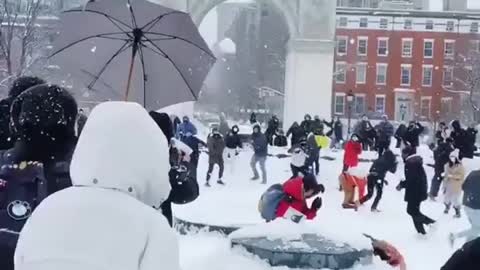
(53, 157)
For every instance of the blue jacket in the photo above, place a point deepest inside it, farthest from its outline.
(185, 128)
(260, 144)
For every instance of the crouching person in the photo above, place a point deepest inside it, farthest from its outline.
(109, 219)
(290, 199)
(351, 182)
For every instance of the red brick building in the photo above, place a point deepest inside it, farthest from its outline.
(406, 64)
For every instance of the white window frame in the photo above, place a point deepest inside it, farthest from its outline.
(344, 72)
(424, 67)
(384, 102)
(408, 24)
(363, 38)
(363, 20)
(429, 22)
(343, 19)
(452, 75)
(342, 95)
(377, 73)
(378, 45)
(452, 54)
(364, 79)
(382, 23)
(364, 96)
(425, 41)
(409, 66)
(450, 24)
(404, 41)
(429, 98)
(448, 100)
(345, 38)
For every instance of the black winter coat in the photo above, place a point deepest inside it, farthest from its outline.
(316, 125)
(6, 139)
(307, 126)
(338, 130)
(412, 134)
(297, 133)
(232, 141)
(260, 144)
(465, 258)
(471, 188)
(441, 156)
(385, 163)
(273, 126)
(415, 183)
(280, 141)
(364, 129)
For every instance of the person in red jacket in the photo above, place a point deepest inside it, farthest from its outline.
(297, 191)
(353, 148)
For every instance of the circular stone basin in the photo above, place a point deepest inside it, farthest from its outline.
(185, 227)
(310, 251)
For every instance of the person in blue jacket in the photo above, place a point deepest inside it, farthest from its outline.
(186, 127)
(260, 148)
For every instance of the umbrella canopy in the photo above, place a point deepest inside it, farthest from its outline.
(135, 50)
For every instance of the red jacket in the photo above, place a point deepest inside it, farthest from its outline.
(352, 151)
(294, 189)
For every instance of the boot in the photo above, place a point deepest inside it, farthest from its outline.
(254, 178)
(207, 184)
(220, 182)
(447, 208)
(458, 214)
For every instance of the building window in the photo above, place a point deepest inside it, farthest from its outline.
(407, 47)
(427, 75)
(339, 103)
(449, 48)
(475, 46)
(383, 23)
(380, 104)
(428, 48)
(361, 73)
(429, 25)
(450, 26)
(340, 72)
(342, 45)
(382, 74)
(359, 104)
(382, 46)
(448, 76)
(362, 46)
(407, 25)
(343, 22)
(425, 107)
(446, 106)
(406, 71)
(474, 27)
(363, 22)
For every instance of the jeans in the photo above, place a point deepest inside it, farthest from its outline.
(436, 183)
(314, 164)
(474, 219)
(220, 171)
(253, 164)
(373, 183)
(419, 219)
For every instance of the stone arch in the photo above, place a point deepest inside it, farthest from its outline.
(199, 9)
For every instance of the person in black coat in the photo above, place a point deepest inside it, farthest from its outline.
(232, 144)
(43, 121)
(465, 258)
(376, 177)
(400, 134)
(280, 140)
(459, 137)
(411, 136)
(272, 128)
(385, 131)
(442, 133)
(365, 132)
(415, 185)
(194, 143)
(441, 155)
(338, 130)
(253, 118)
(317, 124)
(470, 142)
(307, 125)
(19, 86)
(297, 133)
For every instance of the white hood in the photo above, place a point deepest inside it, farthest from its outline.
(122, 148)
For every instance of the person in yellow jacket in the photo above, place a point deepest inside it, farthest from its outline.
(453, 181)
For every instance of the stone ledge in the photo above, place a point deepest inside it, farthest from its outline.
(312, 252)
(186, 227)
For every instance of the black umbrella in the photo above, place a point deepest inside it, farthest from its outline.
(134, 50)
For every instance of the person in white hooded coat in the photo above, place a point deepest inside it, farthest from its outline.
(108, 219)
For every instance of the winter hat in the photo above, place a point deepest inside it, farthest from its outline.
(256, 128)
(235, 129)
(455, 154)
(22, 84)
(164, 123)
(307, 117)
(186, 119)
(456, 124)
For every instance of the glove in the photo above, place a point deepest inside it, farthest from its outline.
(317, 203)
(321, 188)
(228, 155)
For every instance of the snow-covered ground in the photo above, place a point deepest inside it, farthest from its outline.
(236, 204)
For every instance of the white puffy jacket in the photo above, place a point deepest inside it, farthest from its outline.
(107, 219)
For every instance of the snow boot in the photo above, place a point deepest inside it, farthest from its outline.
(264, 181)
(207, 184)
(375, 210)
(432, 198)
(255, 178)
(458, 213)
(220, 182)
(447, 208)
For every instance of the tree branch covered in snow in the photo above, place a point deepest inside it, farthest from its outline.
(467, 78)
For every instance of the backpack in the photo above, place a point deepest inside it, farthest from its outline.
(270, 200)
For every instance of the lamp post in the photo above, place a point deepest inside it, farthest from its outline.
(350, 98)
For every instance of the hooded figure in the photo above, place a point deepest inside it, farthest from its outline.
(260, 153)
(385, 132)
(412, 133)
(307, 124)
(108, 219)
(441, 155)
(186, 127)
(223, 127)
(232, 143)
(297, 133)
(216, 146)
(19, 86)
(400, 135)
(272, 128)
